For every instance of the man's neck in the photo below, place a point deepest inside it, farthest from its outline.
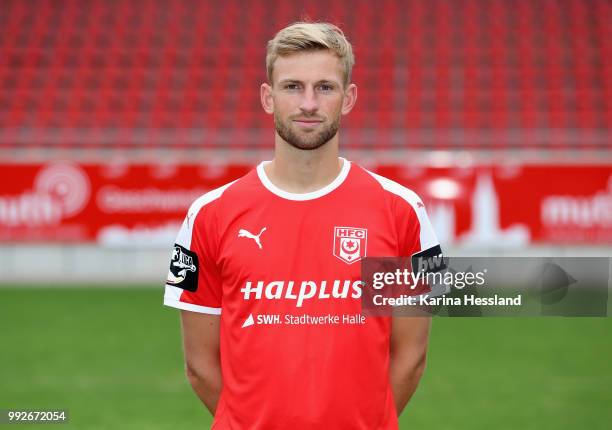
(300, 171)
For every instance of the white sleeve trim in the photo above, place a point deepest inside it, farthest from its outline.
(427, 237)
(185, 233)
(191, 307)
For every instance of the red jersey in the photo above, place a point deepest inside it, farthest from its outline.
(282, 271)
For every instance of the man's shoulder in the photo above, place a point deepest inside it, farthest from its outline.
(390, 188)
(214, 197)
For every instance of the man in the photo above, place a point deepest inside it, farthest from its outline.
(263, 268)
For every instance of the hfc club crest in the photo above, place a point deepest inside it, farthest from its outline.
(350, 243)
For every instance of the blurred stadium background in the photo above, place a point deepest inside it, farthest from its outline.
(115, 115)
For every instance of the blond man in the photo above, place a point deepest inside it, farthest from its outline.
(266, 269)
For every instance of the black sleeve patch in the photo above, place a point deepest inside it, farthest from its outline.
(429, 260)
(184, 267)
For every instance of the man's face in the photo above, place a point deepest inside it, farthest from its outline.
(307, 98)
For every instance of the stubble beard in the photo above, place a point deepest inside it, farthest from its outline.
(306, 141)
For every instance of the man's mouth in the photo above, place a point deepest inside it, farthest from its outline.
(307, 122)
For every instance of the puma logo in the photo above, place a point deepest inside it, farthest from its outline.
(248, 234)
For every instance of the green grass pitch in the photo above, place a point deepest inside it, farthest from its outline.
(112, 356)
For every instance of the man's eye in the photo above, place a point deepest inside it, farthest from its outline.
(326, 87)
(291, 87)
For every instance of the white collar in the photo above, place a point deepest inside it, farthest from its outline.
(346, 166)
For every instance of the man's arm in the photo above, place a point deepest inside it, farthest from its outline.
(409, 339)
(202, 361)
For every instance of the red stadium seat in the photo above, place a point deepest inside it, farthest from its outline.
(125, 74)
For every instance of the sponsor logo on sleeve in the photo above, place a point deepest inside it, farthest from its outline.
(183, 271)
(428, 260)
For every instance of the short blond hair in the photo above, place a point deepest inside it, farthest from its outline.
(308, 36)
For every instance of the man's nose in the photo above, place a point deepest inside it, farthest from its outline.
(309, 102)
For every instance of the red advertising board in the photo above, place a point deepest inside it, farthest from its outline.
(514, 205)
(115, 204)
(143, 205)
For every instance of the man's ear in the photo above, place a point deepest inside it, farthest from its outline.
(350, 98)
(267, 101)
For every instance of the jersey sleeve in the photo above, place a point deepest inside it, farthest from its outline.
(418, 240)
(415, 232)
(193, 281)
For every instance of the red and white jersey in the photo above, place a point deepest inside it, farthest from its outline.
(282, 271)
